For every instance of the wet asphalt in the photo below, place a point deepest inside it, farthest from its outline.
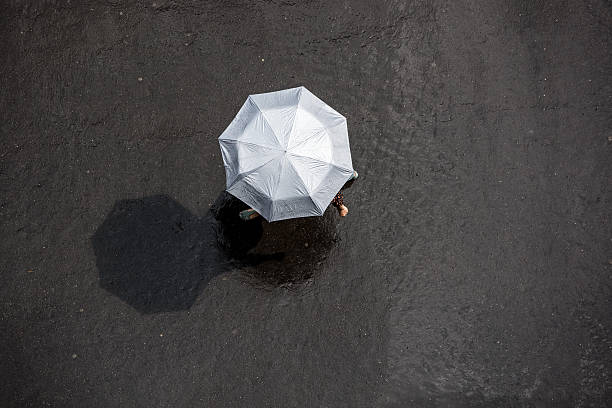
(473, 270)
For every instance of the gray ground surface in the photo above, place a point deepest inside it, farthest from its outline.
(474, 266)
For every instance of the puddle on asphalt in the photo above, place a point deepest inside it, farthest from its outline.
(283, 253)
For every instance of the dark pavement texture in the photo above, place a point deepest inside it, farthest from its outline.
(474, 268)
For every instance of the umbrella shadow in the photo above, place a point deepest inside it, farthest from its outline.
(157, 256)
(154, 254)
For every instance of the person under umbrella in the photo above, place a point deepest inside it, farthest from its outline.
(286, 155)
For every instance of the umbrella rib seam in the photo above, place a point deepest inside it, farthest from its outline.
(316, 205)
(241, 176)
(297, 107)
(324, 128)
(316, 132)
(273, 195)
(301, 179)
(267, 121)
(322, 162)
(319, 161)
(251, 144)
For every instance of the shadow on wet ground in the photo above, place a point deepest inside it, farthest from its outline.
(157, 256)
(284, 253)
(153, 254)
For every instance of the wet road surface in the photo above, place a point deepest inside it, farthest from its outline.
(474, 268)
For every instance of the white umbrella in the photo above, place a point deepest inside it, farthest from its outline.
(286, 154)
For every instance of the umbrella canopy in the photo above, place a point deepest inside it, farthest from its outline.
(286, 154)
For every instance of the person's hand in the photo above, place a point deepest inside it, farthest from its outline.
(343, 210)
